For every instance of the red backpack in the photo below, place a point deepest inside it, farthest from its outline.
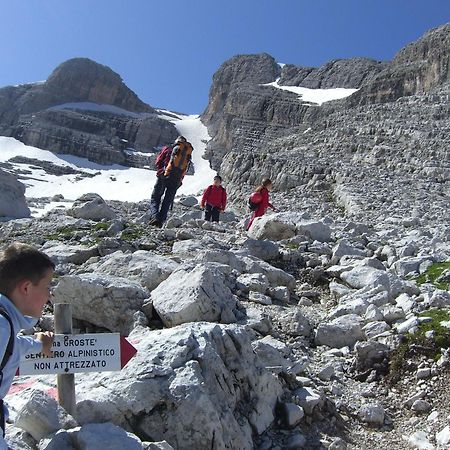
(254, 200)
(163, 159)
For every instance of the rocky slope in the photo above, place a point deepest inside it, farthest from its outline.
(32, 114)
(285, 338)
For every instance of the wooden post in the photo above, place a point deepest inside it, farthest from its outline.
(65, 382)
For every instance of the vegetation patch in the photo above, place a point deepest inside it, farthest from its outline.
(435, 275)
(418, 344)
(63, 233)
(101, 226)
(132, 233)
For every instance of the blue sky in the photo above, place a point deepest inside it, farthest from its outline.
(168, 50)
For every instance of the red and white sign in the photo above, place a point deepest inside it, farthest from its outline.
(75, 353)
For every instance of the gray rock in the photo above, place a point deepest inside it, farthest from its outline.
(106, 435)
(421, 406)
(262, 249)
(194, 295)
(143, 266)
(257, 282)
(293, 414)
(343, 331)
(188, 201)
(308, 399)
(62, 253)
(372, 414)
(42, 416)
(12, 197)
(102, 300)
(257, 297)
(182, 382)
(272, 227)
(92, 207)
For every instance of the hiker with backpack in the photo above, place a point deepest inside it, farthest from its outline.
(259, 200)
(25, 287)
(214, 200)
(172, 164)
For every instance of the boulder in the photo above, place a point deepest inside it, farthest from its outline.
(341, 332)
(41, 415)
(277, 277)
(194, 295)
(91, 206)
(63, 253)
(372, 414)
(272, 227)
(345, 248)
(293, 322)
(12, 197)
(93, 436)
(188, 201)
(364, 276)
(315, 230)
(108, 436)
(257, 282)
(262, 249)
(408, 265)
(103, 300)
(195, 386)
(148, 268)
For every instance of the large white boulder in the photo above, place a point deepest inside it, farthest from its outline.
(277, 277)
(93, 436)
(315, 230)
(65, 253)
(91, 206)
(341, 332)
(41, 415)
(365, 276)
(103, 300)
(272, 227)
(194, 295)
(197, 386)
(12, 197)
(143, 266)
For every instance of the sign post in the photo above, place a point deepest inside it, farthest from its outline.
(74, 353)
(65, 382)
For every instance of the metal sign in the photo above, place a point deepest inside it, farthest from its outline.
(74, 353)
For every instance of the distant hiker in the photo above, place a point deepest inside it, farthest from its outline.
(172, 164)
(260, 202)
(25, 287)
(214, 200)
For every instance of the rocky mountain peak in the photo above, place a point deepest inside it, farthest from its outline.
(417, 68)
(250, 69)
(81, 79)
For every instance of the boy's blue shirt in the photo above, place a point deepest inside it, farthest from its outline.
(22, 344)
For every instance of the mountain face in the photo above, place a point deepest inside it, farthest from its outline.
(32, 114)
(242, 111)
(379, 154)
(417, 68)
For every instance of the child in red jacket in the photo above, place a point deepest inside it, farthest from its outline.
(214, 200)
(263, 189)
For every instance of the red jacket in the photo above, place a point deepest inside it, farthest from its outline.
(163, 159)
(214, 196)
(265, 200)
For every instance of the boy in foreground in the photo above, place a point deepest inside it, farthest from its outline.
(25, 287)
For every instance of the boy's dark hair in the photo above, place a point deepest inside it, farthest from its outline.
(218, 177)
(20, 262)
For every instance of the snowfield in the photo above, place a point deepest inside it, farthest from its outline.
(112, 182)
(316, 96)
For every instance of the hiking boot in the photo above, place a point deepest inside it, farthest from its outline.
(155, 223)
